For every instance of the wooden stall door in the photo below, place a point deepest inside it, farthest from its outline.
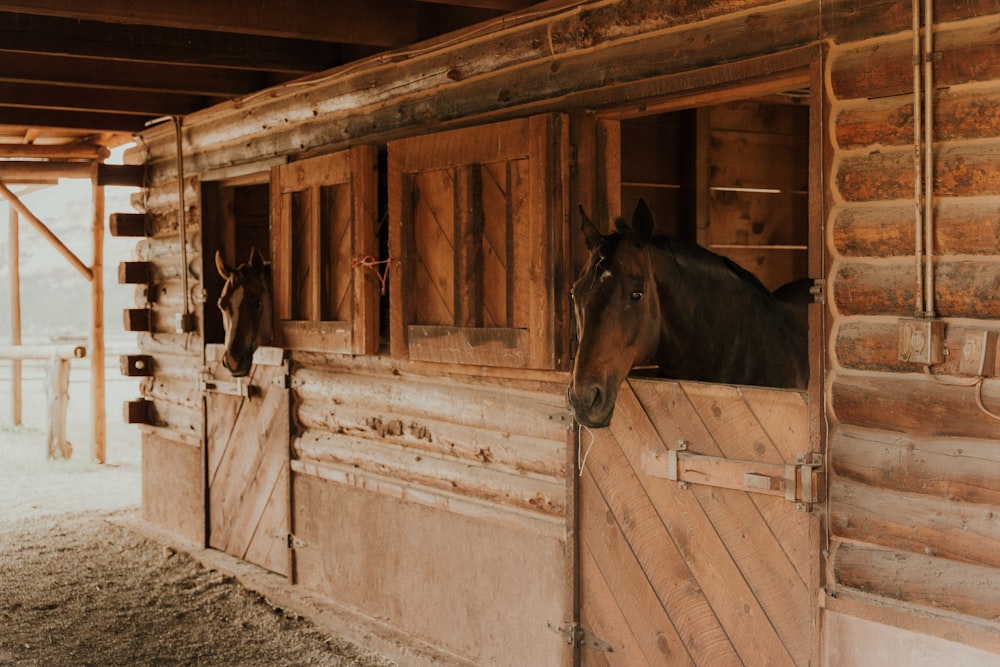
(247, 431)
(697, 543)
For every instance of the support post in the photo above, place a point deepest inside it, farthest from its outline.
(97, 379)
(14, 261)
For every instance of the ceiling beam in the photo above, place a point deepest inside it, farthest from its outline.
(55, 151)
(46, 35)
(194, 80)
(387, 23)
(77, 120)
(142, 103)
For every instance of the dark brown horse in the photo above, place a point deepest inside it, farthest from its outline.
(646, 299)
(245, 303)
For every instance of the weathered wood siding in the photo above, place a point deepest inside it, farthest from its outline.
(407, 474)
(914, 506)
(415, 493)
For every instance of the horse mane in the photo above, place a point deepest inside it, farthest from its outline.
(690, 256)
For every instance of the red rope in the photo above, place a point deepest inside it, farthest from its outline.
(369, 262)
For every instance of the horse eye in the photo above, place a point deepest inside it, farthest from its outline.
(635, 296)
(258, 305)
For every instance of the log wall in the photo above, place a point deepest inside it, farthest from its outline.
(914, 510)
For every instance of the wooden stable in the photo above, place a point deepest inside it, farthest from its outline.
(405, 451)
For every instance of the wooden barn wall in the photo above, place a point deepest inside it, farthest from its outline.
(450, 492)
(914, 489)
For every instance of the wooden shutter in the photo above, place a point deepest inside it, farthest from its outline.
(477, 238)
(325, 211)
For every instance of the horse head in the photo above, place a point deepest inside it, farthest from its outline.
(617, 314)
(245, 303)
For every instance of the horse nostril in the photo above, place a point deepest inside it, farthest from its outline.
(597, 396)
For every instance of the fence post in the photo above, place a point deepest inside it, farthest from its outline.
(57, 394)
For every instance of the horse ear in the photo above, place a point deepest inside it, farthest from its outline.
(220, 265)
(591, 234)
(256, 259)
(642, 223)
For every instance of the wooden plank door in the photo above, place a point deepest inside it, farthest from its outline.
(698, 546)
(247, 467)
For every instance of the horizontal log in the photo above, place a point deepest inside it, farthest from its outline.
(882, 67)
(958, 472)
(42, 351)
(134, 273)
(914, 405)
(136, 365)
(962, 226)
(959, 115)
(121, 174)
(170, 343)
(483, 481)
(964, 169)
(176, 391)
(139, 411)
(137, 319)
(963, 288)
(871, 344)
(128, 224)
(507, 411)
(915, 522)
(166, 251)
(507, 69)
(18, 171)
(55, 151)
(919, 579)
(441, 437)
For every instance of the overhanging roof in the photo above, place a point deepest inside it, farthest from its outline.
(78, 77)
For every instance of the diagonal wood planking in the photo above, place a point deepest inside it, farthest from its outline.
(744, 557)
(248, 453)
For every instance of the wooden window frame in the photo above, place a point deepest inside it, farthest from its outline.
(356, 169)
(544, 141)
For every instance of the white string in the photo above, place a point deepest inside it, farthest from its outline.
(582, 461)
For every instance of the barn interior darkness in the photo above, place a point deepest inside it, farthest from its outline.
(733, 177)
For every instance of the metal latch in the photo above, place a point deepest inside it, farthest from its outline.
(801, 482)
(576, 635)
(237, 387)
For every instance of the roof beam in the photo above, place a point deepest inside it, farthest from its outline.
(79, 120)
(42, 35)
(55, 151)
(195, 80)
(143, 103)
(387, 23)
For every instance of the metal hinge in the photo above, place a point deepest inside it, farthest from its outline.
(291, 541)
(576, 635)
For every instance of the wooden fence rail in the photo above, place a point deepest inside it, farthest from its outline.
(56, 389)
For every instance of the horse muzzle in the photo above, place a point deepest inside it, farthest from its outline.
(593, 405)
(237, 367)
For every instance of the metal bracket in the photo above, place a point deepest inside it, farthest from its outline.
(576, 635)
(291, 541)
(818, 290)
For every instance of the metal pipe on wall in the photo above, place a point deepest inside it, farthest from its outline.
(928, 58)
(918, 155)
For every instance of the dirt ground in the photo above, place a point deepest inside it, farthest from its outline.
(78, 587)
